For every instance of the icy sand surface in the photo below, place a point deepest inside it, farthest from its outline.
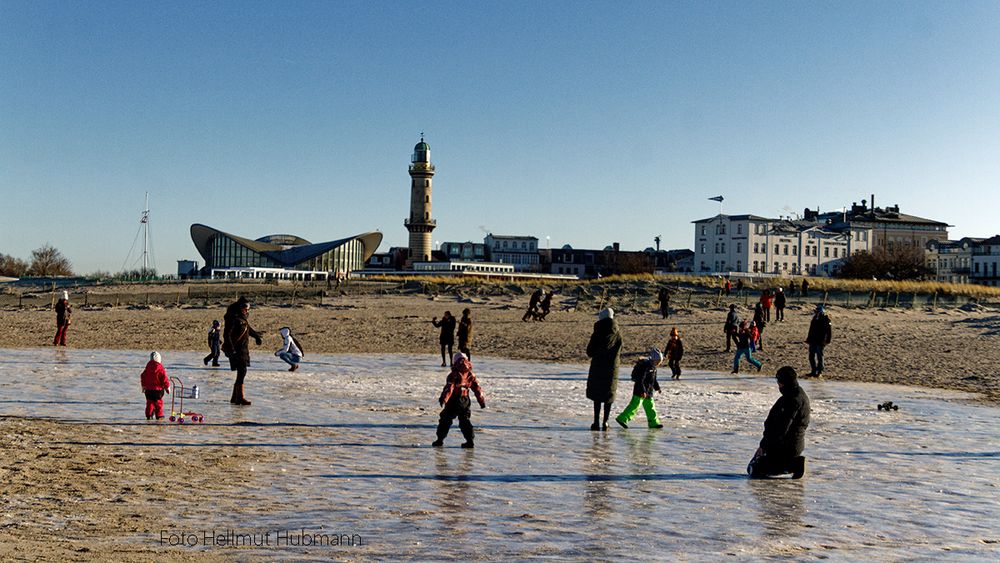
(353, 434)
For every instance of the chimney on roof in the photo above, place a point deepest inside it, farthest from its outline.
(873, 202)
(616, 246)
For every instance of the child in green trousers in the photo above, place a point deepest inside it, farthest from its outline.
(644, 376)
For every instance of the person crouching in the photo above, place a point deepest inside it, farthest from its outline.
(291, 351)
(154, 384)
(455, 400)
(644, 376)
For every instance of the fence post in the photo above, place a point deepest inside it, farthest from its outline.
(848, 299)
(934, 306)
(86, 298)
(896, 304)
(826, 293)
(913, 304)
(20, 298)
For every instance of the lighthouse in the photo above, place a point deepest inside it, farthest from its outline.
(419, 222)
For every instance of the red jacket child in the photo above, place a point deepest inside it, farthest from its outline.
(154, 384)
(455, 400)
(461, 379)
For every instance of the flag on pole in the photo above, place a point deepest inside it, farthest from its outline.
(717, 198)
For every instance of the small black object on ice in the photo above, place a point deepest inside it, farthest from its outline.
(888, 406)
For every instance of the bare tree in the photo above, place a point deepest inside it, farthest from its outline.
(48, 261)
(13, 267)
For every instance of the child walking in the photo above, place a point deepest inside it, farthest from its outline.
(644, 376)
(214, 344)
(291, 350)
(154, 384)
(455, 400)
(674, 351)
(743, 348)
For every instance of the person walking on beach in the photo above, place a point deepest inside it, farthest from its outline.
(154, 383)
(820, 334)
(805, 288)
(674, 351)
(214, 344)
(64, 316)
(760, 323)
(644, 376)
(465, 333)
(664, 298)
(743, 348)
(728, 287)
(766, 300)
(731, 327)
(604, 351)
(780, 449)
(779, 305)
(447, 338)
(544, 305)
(532, 311)
(236, 335)
(291, 350)
(455, 400)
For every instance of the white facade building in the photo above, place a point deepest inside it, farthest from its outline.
(986, 262)
(753, 244)
(521, 251)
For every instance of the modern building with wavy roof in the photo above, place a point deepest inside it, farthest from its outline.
(223, 250)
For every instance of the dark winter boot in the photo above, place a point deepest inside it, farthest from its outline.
(798, 467)
(468, 445)
(240, 399)
(235, 398)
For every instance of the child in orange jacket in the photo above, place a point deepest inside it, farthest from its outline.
(154, 384)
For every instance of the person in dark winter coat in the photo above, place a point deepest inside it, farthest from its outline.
(664, 298)
(236, 335)
(743, 348)
(779, 305)
(532, 312)
(805, 288)
(760, 322)
(644, 376)
(155, 383)
(544, 306)
(674, 351)
(465, 333)
(447, 338)
(455, 400)
(780, 449)
(820, 334)
(604, 351)
(731, 327)
(214, 344)
(64, 317)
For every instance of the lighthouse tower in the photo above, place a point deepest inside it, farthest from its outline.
(420, 223)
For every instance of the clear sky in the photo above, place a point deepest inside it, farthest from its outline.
(585, 122)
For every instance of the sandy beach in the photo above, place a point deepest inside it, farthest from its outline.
(63, 500)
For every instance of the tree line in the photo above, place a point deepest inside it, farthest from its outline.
(45, 261)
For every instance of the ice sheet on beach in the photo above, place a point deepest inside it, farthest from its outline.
(354, 433)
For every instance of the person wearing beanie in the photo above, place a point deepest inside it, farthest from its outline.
(154, 383)
(291, 350)
(214, 344)
(820, 334)
(236, 335)
(64, 317)
(779, 305)
(644, 376)
(455, 400)
(674, 351)
(780, 449)
(731, 327)
(604, 351)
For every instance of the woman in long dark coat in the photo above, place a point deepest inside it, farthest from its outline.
(604, 350)
(236, 345)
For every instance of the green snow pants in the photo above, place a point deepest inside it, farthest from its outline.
(647, 405)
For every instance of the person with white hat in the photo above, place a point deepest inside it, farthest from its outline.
(64, 315)
(604, 350)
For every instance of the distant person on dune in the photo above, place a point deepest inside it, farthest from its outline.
(664, 299)
(820, 334)
(64, 316)
(465, 333)
(544, 306)
(532, 312)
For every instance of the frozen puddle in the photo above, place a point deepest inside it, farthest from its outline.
(354, 434)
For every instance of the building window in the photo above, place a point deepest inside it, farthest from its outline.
(786, 250)
(755, 266)
(739, 265)
(723, 248)
(739, 231)
(795, 250)
(826, 252)
(756, 247)
(776, 270)
(739, 249)
(835, 252)
(776, 250)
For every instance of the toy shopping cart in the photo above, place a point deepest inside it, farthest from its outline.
(180, 393)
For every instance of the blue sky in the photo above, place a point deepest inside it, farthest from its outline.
(585, 122)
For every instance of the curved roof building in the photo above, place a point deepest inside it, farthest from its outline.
(225, 250)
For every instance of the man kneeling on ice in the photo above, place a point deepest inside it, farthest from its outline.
(781, 448)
